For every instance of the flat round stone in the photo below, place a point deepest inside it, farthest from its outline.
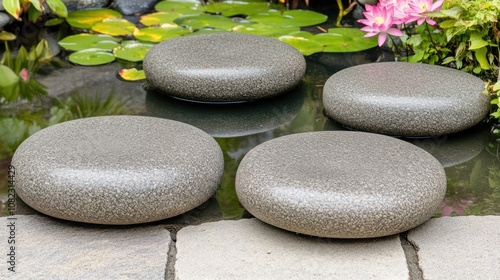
(117, 169)
(223, 67)
(340, 184)
(405, 99)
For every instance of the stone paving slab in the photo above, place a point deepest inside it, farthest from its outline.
(46, 248)
(250, 249)
(459, 247)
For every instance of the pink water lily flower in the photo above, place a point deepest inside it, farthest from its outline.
(379, 20)
(417, 8)
(24, 74)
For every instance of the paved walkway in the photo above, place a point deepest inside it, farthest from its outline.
(46, 248)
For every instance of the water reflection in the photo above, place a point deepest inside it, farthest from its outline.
(229, 120)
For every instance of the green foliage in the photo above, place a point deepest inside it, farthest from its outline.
(12, 132)
(467, 38)
(17, 80)
(34, 8)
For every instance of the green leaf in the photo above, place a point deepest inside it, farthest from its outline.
(304, 45)
(58, 7)
(84, 19)
(132, 51)
(477, 41)
(448, 23)
(54, 21)
(204, 20)
(480, 55)
(233, 8)
(179, 8)
(132, 74)
(7, 77)
(299, 18)
(33, 14)
(87, 41)
(7, 36)
(496, 86)
(13, 7)
(453, 12)
(265, 30)
(114, 27)
(91, 57)
(37, 4)
(159, 18)
(158, 34)
(340, 40)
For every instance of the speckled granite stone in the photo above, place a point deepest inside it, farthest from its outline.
(340, 184)
(117, 169)
(405, 99)
(223, 67)
(229, 120)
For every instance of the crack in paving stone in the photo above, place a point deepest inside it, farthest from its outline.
(411, 255)
(172, 254)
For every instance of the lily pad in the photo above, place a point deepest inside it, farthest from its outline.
(233, 8)
(114, 27)
(289, 18)
(304, 45)
(179, 8)
(158, 34)
(91, 57)
(205, 31)
(132, 74)
(265, 30)
(84, 19)
(87, 41)
(132, 51)
(339, 40)
(204, 20)
(159, 18)
(7, 77)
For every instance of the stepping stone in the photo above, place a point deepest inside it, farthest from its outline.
(223, 67)
(340, 184)
(229, 120)
(250, 249)
(405, 99)
(117, 169)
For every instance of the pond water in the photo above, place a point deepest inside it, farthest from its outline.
(471, 158)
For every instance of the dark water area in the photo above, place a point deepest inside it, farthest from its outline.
(471, 158)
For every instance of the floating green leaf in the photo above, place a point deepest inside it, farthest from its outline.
(158, 34)
(91, 57)
(304, 45)
(289, 18)
(13, 7)
(179, 8)
(159, 18)
(7, 36)
(87, 41)
(84, 19)
(58, 7)
(265, 30)
(204, 20)
(7, 77)
(205, 31)
(132, 74)
(132, 51)
(114, 27)
(233, 8)
(339, 40)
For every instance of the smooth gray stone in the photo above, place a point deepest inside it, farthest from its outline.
(47, 248)
(458, 248)
(130, 7)
(229, 120)
(405, 99)
(340, 184)
(223, 67)
(117, 169)
(74, 5)
(250, 249)
(4, 20)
